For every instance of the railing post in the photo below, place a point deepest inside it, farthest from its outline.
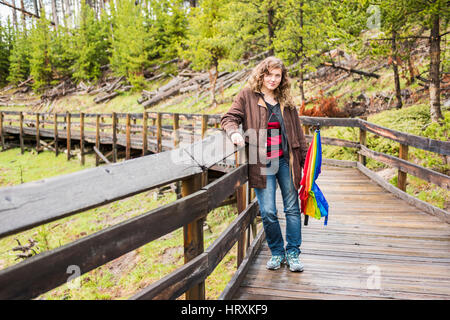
(22, 148)
(362, 142)
(193, 237)
(128, 137)
(82, 138)
(114, 139)
(55, 132)
(401, 178)
(158, 132)
(176, 143)
(241, 199)
(204, 125)
(2, 134)
(68, 134)
(153, 127)
(306, 129)
(38, 139)
(176, 129)
(144, 133)
(97, 138)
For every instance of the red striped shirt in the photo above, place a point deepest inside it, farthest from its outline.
(274, 148)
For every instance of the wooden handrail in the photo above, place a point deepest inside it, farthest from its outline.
(88, 191)
(428, 175)
(404, 139)
(436, 146)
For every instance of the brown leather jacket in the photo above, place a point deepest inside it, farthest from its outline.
(250, 110)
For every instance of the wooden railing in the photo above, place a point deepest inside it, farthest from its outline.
(401, 162)
(47, 200)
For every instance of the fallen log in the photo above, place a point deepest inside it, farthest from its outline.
(101, 155)
(171, 89)
(156, 77)
(360, 72)
(25, 82)
(108, 96)
(46, 145)
(114, 85)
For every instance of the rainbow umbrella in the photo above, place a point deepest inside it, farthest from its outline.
(313, 203)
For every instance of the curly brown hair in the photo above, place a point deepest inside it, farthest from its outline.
(283, 91)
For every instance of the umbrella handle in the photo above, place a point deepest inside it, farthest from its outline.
(316, 126)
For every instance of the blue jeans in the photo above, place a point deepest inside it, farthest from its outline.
(268, 209)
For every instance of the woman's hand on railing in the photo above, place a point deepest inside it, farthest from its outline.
(237, 139)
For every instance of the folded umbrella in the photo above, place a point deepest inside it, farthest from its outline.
(312, 201)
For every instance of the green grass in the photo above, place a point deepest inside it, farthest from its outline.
(16, 168)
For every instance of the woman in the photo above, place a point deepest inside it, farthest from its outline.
(266, 110)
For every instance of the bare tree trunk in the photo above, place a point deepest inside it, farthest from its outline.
(41, 5)
(410, 45)
(435, 87)
(271, 29)
(14, 14)
(300, 80)
(193, 3)
(63, 11)
(102, 5)
(395, 67)
(55, 14)
(213, 74)
(36, 9)
(23, 14)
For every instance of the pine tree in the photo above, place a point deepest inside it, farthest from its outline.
(5, 50)
(167, 26)
(61, 58)
(206, 44)
(19, 58)
(430, 15)
(252, 25)
(303, 36)
(129, 42)
(40, 62)
(89, 45)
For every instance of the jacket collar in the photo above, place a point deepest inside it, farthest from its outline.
(262, 103)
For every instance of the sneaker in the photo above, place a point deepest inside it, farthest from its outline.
(293, 262)
(275, 262)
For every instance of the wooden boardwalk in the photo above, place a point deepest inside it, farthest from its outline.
(375, 246)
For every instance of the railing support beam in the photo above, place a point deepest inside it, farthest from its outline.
(193, 236)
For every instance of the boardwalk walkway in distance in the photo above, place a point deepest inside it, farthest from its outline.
(376, 246)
